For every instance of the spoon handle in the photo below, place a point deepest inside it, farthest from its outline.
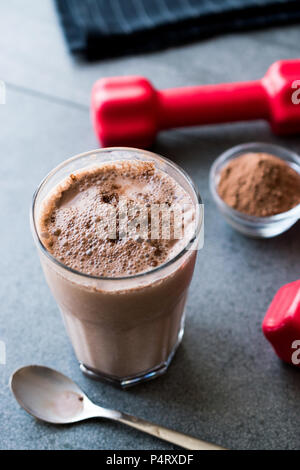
(177, 438)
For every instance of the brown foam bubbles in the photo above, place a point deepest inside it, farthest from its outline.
(100, 220)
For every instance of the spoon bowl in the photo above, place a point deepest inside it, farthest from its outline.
(49, 395)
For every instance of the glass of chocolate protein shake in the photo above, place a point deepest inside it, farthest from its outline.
(117, 231)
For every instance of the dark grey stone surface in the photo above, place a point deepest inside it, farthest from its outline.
(225, 384)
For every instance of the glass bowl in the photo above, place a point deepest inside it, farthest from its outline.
(256, 227)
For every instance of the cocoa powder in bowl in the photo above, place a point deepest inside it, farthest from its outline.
(259, 184)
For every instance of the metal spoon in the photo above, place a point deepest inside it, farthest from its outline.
(52, 397)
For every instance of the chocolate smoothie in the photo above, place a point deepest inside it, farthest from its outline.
(121, 285)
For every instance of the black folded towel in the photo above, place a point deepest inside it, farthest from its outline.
(98, 29)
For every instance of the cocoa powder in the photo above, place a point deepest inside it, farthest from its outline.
(259, 184)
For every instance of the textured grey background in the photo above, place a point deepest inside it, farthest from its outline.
(225, 384)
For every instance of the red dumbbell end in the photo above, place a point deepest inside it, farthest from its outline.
(124, 111)
(281, 325)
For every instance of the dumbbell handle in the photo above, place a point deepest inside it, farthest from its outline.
(177, 107)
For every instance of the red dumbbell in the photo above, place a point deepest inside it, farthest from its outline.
(129, 111)
(281, 325)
